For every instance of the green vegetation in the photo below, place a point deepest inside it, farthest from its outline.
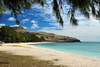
(56, 59)
(8, 34)
(9, 60)
(85, 7)
(16, 46)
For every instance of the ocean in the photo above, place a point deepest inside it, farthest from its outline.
(84, 49)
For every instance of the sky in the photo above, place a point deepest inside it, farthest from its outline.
(43, 19)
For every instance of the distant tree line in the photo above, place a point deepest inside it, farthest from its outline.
(8, 34)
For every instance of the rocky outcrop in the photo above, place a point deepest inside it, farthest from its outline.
(48, 36)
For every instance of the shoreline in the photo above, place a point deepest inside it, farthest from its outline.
(50, 54)
(69, 53)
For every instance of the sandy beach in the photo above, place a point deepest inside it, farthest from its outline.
(44, 54)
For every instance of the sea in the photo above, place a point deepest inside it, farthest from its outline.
(83, 49)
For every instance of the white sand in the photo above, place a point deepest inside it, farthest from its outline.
(44, 54)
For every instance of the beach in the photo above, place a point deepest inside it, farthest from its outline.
(46, 54)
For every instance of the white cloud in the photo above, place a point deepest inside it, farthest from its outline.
(30, 13)
(23, 11)
(25, 20)
(34, 26)
(44, 12)
(14, 26)
(24, 27)
(33, 21)
(18, 26)
(7, 12)
(47, 14)
(88, 30)
(11, 19)
(2, 25)
(50, 28)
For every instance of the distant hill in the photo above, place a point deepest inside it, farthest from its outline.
(48, 36)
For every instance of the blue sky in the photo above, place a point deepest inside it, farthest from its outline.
(42, 19)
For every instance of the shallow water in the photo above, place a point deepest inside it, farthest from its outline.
(86, 49)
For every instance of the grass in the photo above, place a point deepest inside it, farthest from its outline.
(56, 59)
(9, 60)
(16, 46)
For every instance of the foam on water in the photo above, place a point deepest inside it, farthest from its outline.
(84, 49)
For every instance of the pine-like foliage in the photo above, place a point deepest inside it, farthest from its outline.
(86, 7)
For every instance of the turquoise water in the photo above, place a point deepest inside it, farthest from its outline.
(87, 49)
